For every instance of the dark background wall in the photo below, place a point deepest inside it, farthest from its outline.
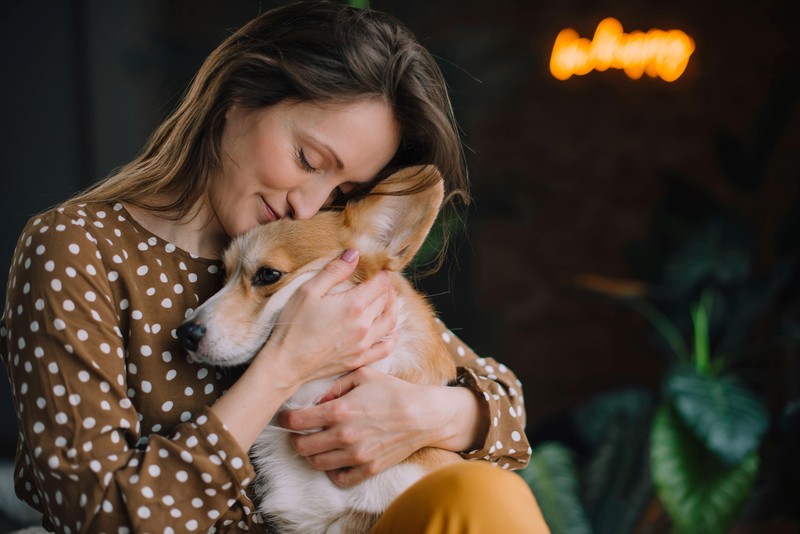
(566, 175)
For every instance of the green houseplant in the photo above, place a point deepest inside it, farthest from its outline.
(718, 283)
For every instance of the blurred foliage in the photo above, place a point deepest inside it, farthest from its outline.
(720, 287)
(606, 489)
(446, 231)
(552, 475)
(616, 482)
(360, 4)
(701, 493)
(726, 418)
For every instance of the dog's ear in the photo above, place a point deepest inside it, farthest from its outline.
(397, 214)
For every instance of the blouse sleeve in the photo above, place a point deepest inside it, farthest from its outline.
(82, 459)
(506, 444)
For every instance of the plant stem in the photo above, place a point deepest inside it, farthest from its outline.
(702, 344)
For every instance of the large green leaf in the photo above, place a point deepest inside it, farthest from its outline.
(701, 494)
(592, 418)
(553, 477)
(615, 426)
(617, 478)
(727, 418)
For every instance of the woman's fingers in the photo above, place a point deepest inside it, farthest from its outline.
(334, 273)
(325, 332)
(350, 476)
(382, 312)
(374, 306)
(305, 420)
(372, 422)
(386, 321)
(373, 293)
(323, 414)
(319, 444)
(349, 464)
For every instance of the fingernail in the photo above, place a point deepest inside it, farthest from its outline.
(350, 255)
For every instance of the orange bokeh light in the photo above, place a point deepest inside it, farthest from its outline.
(657, 53)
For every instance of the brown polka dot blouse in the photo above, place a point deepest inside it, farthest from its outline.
(115, 433)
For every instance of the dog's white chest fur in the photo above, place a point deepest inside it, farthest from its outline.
(305, 500)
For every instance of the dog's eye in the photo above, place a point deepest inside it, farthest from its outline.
(266, 276)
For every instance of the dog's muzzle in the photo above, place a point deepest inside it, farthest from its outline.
(190, 334)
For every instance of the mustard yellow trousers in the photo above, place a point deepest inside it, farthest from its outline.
(466, 498)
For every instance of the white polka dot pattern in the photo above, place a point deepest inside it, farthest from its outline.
(502, 392)
(114, 429)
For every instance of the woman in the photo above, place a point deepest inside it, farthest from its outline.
(302, 108)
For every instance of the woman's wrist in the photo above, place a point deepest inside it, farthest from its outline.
(464, 421)
(248, 406)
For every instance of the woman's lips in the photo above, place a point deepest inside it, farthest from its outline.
(271, 216)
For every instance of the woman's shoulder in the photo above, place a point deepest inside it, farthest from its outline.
(72, 217)
(59, 231)
(100, 233)
(67, 224)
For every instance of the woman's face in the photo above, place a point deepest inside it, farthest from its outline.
(290, 159)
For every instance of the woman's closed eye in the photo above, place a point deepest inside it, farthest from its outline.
(303, 162)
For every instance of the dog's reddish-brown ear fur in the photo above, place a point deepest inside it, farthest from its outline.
(397, 215)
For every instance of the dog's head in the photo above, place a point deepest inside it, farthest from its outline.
(266, 265)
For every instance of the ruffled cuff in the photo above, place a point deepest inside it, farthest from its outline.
(227, 449)
(506, 444)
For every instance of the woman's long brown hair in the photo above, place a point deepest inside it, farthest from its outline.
(307, 51)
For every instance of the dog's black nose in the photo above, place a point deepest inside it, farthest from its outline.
(190, 333)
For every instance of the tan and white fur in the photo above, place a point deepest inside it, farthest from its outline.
(387, 229)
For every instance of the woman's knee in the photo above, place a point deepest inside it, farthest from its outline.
(478, 482)
(468, 497)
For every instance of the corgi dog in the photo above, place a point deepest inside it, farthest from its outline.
(264, 268)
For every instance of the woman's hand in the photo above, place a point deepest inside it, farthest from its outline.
(322, 333)
(372, 421)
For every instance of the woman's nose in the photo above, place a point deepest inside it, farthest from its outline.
(306, 202)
